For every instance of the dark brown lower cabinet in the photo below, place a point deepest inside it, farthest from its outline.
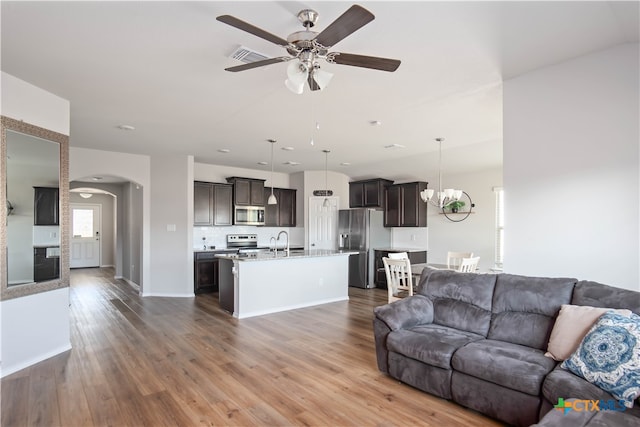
(206, 272)
(380, 279)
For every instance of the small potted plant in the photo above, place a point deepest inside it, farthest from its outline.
(456, 206)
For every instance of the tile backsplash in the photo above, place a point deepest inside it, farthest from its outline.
(217, 236)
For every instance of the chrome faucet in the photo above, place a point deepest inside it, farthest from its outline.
(286, 234)
(275, 245)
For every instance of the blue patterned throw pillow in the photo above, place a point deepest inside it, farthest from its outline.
(609, 356)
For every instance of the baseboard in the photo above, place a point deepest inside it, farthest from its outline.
(153, 294)
(32, 361)
(108, 266)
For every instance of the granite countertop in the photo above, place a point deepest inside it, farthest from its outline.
(400, 249)
(270, 256)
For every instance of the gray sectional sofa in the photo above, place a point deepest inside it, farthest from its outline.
(480, 340)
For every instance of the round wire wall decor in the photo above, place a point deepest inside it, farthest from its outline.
(464, 211)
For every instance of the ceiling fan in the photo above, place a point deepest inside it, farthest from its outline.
(307, 47)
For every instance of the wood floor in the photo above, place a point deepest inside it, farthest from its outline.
(184, 362)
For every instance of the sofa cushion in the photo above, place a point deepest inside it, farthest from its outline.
(510, 365)
(430, 344)
(599, 295)
(461, 300)
(572, 324)
(524, 308)
(609, 356)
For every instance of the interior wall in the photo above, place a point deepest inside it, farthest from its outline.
(571, 169)
(476, 233)
(34, 327)
(171, 226)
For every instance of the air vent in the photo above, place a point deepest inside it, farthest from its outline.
(246, 55)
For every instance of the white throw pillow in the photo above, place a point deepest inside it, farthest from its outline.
(572, 324)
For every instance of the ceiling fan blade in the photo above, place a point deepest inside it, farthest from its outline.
(384, 64)
(257, 64)
(245, 26)
(354, 18)
(312, 83)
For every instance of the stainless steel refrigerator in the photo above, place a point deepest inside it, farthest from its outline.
(362, 230)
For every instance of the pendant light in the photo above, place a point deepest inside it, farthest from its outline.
(325, 203)
(272, 198)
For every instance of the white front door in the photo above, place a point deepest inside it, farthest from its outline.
(85, 235)
(323, 223)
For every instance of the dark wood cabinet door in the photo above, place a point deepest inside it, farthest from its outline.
(356, 195)
(271, 212)
(409, 206)
(257, 193)
(46, 206)
(414, 209)
(287, 212)
(222, 204)
(202, 198)
(242, 192)
(372, 193)
(393, 206)
(282, 214)
(206, 273)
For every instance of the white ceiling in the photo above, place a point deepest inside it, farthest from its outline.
(159, 66)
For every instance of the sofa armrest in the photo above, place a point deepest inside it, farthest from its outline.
(405, 313)
(400, 314)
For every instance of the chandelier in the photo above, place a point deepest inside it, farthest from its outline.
(443, 197)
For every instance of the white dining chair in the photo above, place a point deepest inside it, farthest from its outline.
(399, 280)
(454, 259)
(398, 255)
(469, 265)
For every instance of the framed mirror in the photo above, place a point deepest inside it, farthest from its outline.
(34, 187)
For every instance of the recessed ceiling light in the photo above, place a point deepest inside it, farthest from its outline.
(224, 150)
(263, 163)
(394, 146)
(375, 122)
(126, 127)
(290, 163)
(97, 178)
(345, 164)
(287, 148)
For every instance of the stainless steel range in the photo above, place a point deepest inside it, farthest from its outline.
(245, 243)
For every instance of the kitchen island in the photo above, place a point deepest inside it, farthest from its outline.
(263, 283)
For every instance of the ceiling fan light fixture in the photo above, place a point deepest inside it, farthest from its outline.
(297, 74)
(293, 87)
(322, 78)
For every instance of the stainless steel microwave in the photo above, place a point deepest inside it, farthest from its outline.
(248, 215)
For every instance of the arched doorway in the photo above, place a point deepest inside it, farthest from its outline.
(121, 230)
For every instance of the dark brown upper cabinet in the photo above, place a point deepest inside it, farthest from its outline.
(368, 193)
(212, 204)
(46, 206)
(403, 206)
(247, 191)
(282, 214)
